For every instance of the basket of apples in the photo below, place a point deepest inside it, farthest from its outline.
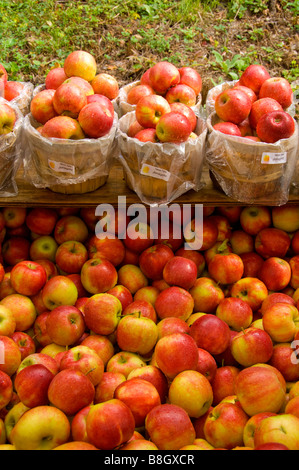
(69, 134)
(161, 147)
(252, 143)
(17, 92)
(11, 121)
(182, 85)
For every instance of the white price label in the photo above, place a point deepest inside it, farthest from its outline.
(271, 158)
(155, 172)
(61, 167)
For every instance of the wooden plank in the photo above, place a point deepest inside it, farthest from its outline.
(29, 196)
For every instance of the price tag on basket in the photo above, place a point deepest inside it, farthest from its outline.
(272, 157)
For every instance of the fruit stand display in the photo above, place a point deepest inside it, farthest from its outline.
(115, 335)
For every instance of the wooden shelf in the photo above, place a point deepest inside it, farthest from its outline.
(29, 196)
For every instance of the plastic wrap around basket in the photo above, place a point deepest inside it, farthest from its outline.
(67, 166)
(245, 170)
(161, 172)
(24, 99)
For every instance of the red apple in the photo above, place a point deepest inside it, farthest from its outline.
(136, 334)
(137, 92)
(59, 290)
(153, 259)
(81, 83)
(140, 308)
(189, 76)
(98, 275)
(134, 128)
(80, 64)
(110, 424)
(206, 295)
(254, 76)
(42, 107)
(220, 247)
(272, 241)
(233, 105)
(8, 118)
(39, 358)
(169, 357)
(283, 360)
(62, 127)
(7, 321)
(153, 375)
(279, 89)
(102, 313)
(180, 107)
(275, 297)
(181, 93)
(252, 262)
(180, 271)
(174, 301)
(226, 268)
(138, 237)
(65, 325)
(106, 388)
(101, 99)
(241, 242)
(86, 360)
(272, 446)
(169, 427)
(255, 218)
(147, 135)
(68, 100)
(23, 310)
(40, 329)
(223, 383)
(55, 77)
(124, 362)
(162, 76)
(131, 276)
(32, 384)
(207, 364)
(149, 110)
(294, 282)
(235, 312)
(101, 345)
(70, 256)
(70, 227)
(275, 273)
(170, 325)
(43, 248)
(252, 95)
(123, 294)
(227, 128)
(281, 321)
(274, 126)
(173, 127)
(95, 120)
(71, 391)
(201, 236)
(250, 289)
(13, 89)
(251, 426)
(281, 429)
(41, 220)
(260, 107)
(28, 277)
(6, 389)
(3, 74)
(210, 333)
(105, 84)
(252, 346)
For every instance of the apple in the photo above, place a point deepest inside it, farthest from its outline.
(98, 275)
(96, 120)
(281, 429)
(39, 358)
(69, 99)
(28, 277)
(180, 271)
(70, 391)
(223, 383)
(42, 107)
(155, 376)
(15, 249)
(7, 321)
(141, 308)
(138, 237)
(70, 227)
(233, 105)
(223, 226)
(102, 100)
(254, 76)
(294, 271)
(260, 107)
(8, 118)
(252, 346)
(210, 333)
(105, 389)
(189, 76)
(150, 109)
(13, 90)
(70, 256)
(181, 93)
(6, 389)
(226, 268)
(81, 83)
(186, 110)
(134, 128)
(274, 126)
(279, 89)
(245, 128)
(23, 310)
(272, 241)
(169, 357)
(80, 64)
(59, 290)
(207, 365)
(170, 325)
(235, 312)
(153, 259)
(282, 359)
(65, 325)
(250, 289)
(131, 276)
(11, 354)
(281, 321)
(206, 294)
(148, 294)
(43, 247)
(241, 242)
(219, 247)
(101, 345)
(173, 127)
(147, 135)
(174, 301)
(136, 334)
(259, 390)
(276, 273)
(252, 95)
(275, 297)
(105, 84)
(124, 362)
(195, 256)
(191, 391)
(140, 396)
(292, 406)
(162, 76)
(137, 92)
(54, 78)
(227, 127)
(169, 427)
(41, 428)
(252, 262)
(201, 235)
(225, 425)
(109, 424)
(251, 426)
(40, 329)
(286, 217)
(102, 313)
(41, 220)
(32, 384)
(123, 294)
(86, 360)
(63, 127)
(78, 425)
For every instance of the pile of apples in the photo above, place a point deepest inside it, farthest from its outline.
(77, 101)
(164, 99)
(139, 343)
(256, 107)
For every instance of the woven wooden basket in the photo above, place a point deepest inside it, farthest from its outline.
(238, 166)
(159, 173)
(67, 166)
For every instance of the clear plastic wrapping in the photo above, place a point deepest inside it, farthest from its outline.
(24, 99)
(161, 172)
(250, 171)
(11, 155)
(67, 166)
